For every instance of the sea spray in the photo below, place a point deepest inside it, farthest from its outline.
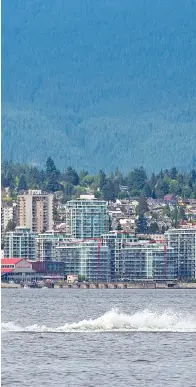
(142, 321)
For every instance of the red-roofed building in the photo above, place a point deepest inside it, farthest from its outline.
(16, 268)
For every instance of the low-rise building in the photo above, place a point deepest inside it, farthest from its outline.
(16, 269)
(49, 268)
(71, 278)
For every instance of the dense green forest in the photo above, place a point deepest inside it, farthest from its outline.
(102, 85)
(72, 183)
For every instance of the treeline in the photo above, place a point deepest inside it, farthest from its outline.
(71, 183)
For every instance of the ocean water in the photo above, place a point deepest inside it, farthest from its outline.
(94, 337)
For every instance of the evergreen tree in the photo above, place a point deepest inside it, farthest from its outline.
(108, 191)
(139, 178)
(147, 191)
(163, 187)
(102, 179)
(10, 180)
(4, 181)
(22, 184)
(52, 184)
(153, 228)
(71, 176)
(181, 213)
(50, 167)
(141, 225)
(153, 181)
(143, 206)
(173, 173)
(193, 176)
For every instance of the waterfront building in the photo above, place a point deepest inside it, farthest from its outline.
(115, 241)
(16, 269)
(184, 242)
(90, 260)
(49, 268)
(46, 244)
(35, 211)
(87, 217)
(20, 243)
(144, 260)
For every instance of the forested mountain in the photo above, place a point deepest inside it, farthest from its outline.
(99, 83)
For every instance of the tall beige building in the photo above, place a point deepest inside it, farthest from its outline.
(35, 211)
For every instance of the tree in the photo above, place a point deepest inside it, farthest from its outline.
(193, 176)
(82, 174)
(174, 216)
(10, 225)
(173, 187)
(167, 210)
(4, 181)
(52, 184)
(119, 227)
(186, 191)
(153, 228)
(50, 167)
(88, 180)
(181, 214)
(36, 177)
(147, 191)
(153, 181)
(173, 173)
(78, 190)
(163, 186)
(10, 180)
(56, 216)
(71, 176)
(137, 178)
(143, 205)
(141, 225)
(68, 189)
(101, 179)
(22, 184)
(108, 191)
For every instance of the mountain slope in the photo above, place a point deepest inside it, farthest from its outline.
(99, 84)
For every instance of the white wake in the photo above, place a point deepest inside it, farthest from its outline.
(144, 321)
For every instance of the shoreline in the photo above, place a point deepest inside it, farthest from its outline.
(116, 286)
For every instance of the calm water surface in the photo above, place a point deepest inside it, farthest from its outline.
(92, 338)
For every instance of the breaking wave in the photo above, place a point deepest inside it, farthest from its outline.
(144, 321)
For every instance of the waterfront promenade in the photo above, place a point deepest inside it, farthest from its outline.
(117, 285)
